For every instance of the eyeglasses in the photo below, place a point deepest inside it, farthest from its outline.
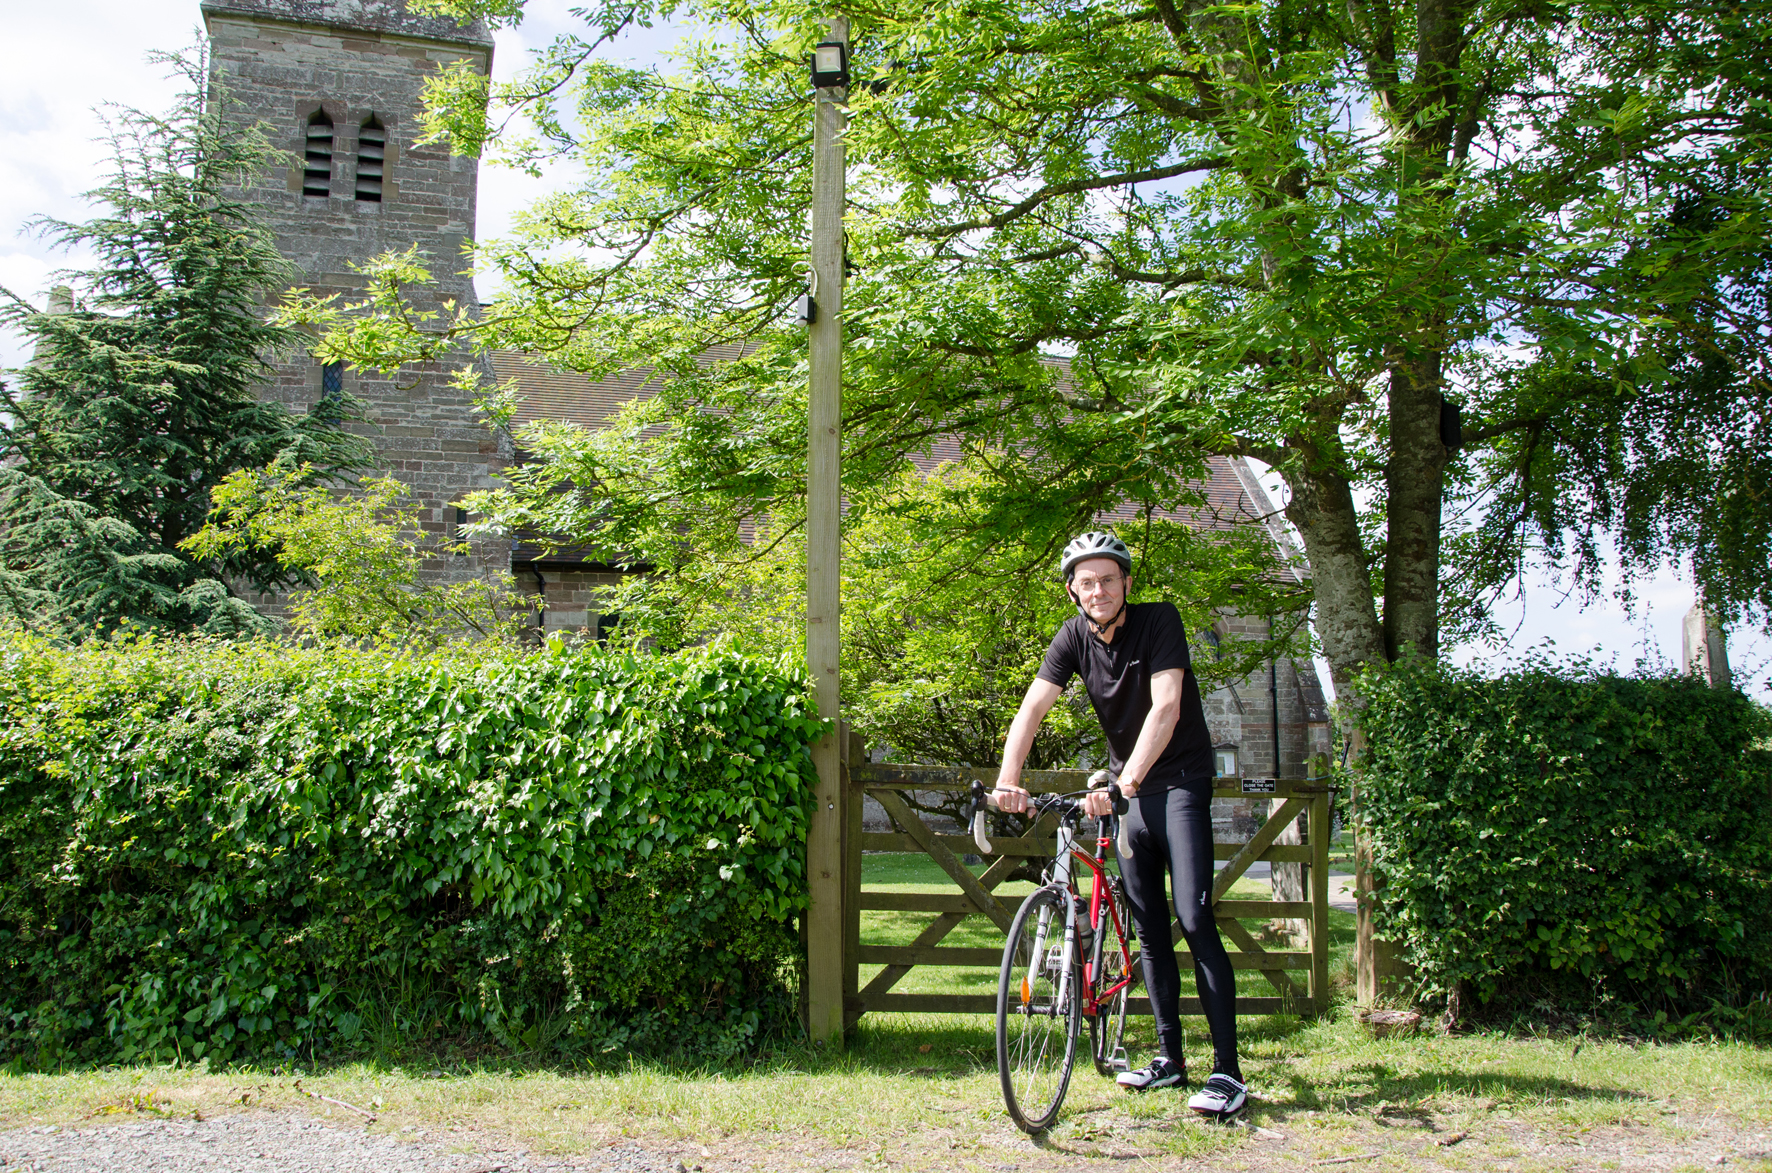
(1107, 583)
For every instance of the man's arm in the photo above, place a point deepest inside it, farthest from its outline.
(1041, 696)
(1159, 723)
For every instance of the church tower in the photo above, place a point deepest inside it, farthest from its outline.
(341, 83)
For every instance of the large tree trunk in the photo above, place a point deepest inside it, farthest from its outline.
(1353, 636)
(1322, 509)
(1413, 478)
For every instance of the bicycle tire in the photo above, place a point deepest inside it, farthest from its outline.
(1107, 1029)
(1036, 1036)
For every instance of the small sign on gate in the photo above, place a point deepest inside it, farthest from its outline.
(1258, 786)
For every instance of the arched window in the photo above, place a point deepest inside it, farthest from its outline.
(316, 176)
(330, 407)
(372, 152)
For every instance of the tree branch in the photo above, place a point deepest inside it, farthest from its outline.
(1054, 190)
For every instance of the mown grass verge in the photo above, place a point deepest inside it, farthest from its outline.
(920, 1092)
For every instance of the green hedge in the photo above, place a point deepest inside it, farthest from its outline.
(223, 851)
(1572, 822)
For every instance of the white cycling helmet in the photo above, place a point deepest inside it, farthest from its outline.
(1094, 544)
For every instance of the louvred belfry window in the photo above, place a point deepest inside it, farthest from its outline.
(372, 151)
(316, 176)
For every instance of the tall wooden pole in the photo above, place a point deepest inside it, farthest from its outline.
(824, 837)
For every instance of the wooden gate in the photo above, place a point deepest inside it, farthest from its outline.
(1300, 979)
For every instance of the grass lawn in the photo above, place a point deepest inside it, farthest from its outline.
(920, 1092)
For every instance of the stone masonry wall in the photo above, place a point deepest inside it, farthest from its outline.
(280, 61)
(571, 597)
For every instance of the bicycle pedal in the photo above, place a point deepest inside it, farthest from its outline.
(1118, 1061)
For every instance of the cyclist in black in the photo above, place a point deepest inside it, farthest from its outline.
(1133, 659)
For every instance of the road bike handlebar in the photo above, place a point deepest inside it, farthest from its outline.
(974, 810)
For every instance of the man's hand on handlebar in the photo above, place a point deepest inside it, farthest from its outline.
(1107, 794)
(1009, 798)
(1103, 798)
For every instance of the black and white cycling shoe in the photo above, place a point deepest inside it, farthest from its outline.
(1160, 1073)
(1221, 1096)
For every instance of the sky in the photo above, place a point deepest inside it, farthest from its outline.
(70, 57)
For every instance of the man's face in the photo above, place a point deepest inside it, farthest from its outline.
(1098, 586)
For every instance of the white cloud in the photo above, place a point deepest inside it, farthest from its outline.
(63, 60)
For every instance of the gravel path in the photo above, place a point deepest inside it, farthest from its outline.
(266, 1142)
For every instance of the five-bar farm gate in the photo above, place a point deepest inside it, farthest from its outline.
(1299, 978)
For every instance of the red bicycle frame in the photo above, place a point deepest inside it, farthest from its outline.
(1098, 888)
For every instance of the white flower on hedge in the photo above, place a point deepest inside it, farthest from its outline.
(726, 871)
(713, 845)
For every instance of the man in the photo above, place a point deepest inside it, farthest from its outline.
(1134, 663)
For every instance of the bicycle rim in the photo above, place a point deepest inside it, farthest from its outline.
(1107, 1030)
(1036, 1036)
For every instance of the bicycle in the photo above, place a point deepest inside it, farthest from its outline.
(1047, 987)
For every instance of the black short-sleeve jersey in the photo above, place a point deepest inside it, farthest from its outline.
(1118, 679)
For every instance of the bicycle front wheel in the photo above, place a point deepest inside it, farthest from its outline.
(1037, 1026)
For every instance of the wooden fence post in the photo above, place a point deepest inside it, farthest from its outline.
(855, 753)
(1381, 973)
(1318, 926)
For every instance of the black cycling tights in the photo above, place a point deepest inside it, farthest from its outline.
(1171, 835)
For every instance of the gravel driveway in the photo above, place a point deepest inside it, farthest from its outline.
(267, 1142)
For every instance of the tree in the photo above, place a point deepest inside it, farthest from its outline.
(1284, 230)
(1307, 233)
(357, 552)
(943, 629)
(140, 397)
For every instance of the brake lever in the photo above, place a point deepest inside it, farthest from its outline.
(977, 807)
(1121, 805)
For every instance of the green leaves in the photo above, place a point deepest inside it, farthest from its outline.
(249, 844)
(1571, 820)
(360, 555)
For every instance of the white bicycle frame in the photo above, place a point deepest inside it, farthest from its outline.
(1061, 880)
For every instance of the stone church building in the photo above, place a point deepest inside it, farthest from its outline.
(341, 83)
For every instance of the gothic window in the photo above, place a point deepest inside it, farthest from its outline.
(1213, 640)
(331, 405)
(316, 176)
(372, 150)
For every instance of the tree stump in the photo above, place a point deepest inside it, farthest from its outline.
(1391, 1023)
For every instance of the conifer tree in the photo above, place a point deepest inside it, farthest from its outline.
(140, 399)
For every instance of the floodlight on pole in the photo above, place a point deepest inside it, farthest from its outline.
(830, 65)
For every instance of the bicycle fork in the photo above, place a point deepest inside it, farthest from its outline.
(1061, 875)
(1041, 956)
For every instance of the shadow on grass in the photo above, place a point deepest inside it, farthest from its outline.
(1371, 1087)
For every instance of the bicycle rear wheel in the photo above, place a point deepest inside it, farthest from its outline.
(1036, 1031)
(1107, 1030)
